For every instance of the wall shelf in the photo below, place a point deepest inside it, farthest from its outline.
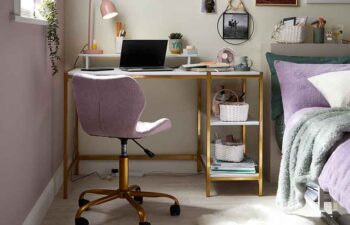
(117, 55)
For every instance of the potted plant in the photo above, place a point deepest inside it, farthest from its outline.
(175, 43)
(48, 11)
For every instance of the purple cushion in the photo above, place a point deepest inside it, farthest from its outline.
(297, 92)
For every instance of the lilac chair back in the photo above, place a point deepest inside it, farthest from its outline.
(108, 106)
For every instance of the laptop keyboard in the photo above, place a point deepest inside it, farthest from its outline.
(148, 69)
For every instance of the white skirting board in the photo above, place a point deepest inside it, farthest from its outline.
(39, 210)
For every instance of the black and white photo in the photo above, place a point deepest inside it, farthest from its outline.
(236, 26)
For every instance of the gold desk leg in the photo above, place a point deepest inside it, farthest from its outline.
(244, 128)
(65, 136)
(76, 148)
(199, 120)
(208, 130)
(261, 130)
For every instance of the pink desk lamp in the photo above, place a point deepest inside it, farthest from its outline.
(108, 11)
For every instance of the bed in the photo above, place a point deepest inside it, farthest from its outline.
(333, 183)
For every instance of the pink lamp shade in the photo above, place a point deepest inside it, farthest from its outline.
(108, 9)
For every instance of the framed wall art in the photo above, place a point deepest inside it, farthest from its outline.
(277, 2)
(236, 26)
(328, 1)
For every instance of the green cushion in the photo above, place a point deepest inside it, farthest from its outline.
(276, 99)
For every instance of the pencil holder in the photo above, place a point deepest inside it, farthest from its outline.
(318, 35)
(118, 44)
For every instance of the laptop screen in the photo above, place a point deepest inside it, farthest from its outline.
(143, 53)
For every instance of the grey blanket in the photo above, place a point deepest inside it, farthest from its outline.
(306, 146)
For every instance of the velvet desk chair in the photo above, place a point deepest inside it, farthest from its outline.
(111, 106)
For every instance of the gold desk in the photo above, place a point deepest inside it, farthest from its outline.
(207, 77)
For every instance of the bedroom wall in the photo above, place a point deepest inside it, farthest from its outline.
(30, 117)
(176, 99)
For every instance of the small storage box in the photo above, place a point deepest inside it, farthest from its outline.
(234, 111)
(290, 34)
(229, 153)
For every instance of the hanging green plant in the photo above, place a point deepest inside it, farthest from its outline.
(48, 11)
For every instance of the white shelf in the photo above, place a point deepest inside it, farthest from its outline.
(214, 121)
(241, 176)
(117, 55)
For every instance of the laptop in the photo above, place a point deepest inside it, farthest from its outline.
(143, 55)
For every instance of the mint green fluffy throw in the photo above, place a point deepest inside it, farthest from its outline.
(306, 146)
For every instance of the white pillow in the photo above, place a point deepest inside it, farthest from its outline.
(334, 86)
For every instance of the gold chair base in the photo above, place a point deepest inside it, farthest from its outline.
(130, 193)
(133, 191)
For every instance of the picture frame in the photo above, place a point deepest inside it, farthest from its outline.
(209, 6)
(277, 3)
(236, 26)
(328, 1)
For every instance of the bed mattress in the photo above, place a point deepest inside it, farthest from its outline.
(335, 176)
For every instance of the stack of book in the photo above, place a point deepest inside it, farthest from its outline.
(245, 168)
(207, 67)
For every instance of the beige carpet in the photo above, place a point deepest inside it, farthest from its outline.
(190, 190)
(255, 215)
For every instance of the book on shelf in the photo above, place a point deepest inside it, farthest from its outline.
(247, 166)
(246, 163)
(233, 175)
(233, 171)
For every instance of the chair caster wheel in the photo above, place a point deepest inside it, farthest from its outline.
(83, 202)
(175, 210)
(144, 223)
(81, 221)
(138, 199)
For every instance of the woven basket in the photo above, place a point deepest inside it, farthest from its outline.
(229, 153)
(290, 34)
(234, 111)
(216, 103)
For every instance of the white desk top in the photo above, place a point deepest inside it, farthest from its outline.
(176, 72)
(113, 55)
(118, 71)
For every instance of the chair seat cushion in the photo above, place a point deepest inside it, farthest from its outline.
(144, 129)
